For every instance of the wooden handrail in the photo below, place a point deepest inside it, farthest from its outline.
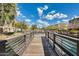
(64, 37)
(16, 44)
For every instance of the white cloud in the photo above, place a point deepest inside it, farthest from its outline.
(56, 15)
(75, 16)
(41, 9)
(23, 16)
(52, 12)
(49, 17)
(17, 8)
(18, 13)
(61, 15)
(39, 25)
(44, 23)
(27, 20)
(65, 20)
(39, 21)
(45, 7)
(58, 21)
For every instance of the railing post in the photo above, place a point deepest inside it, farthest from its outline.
(48, 34)
(33, 34)
(77, 48)
(54, 41)
(25, 38)
(45, 33)
(2, 47)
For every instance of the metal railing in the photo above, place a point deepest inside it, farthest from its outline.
(62, 44)
(15, 46)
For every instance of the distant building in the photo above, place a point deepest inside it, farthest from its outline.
(62, 26)
(74, 23)
(6, 29)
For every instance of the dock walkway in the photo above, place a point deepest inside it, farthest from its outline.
(38, 47)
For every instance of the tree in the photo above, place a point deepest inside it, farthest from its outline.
(21, 25)
(8, 13)
(33, 27)
(52, 27)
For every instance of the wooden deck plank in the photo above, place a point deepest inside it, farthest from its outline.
(39, 46)
(35, 48)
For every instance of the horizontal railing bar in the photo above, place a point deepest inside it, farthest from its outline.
(64, 36)
(68, 37)
(16, 44)
(64, 49)
(64, 42)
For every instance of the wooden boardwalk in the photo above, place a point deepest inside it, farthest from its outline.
(39, 46)
(35, 48)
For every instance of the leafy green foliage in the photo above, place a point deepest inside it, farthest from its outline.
(73, 31)
(51, 27)
(33, 27)
(8, 13)
(21, 25)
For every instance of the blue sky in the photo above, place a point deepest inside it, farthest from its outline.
(44, 14)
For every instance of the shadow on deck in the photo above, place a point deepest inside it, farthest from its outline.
(48, 50)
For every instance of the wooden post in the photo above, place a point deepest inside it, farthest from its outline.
(2, 47)
(54, 41)
(77, 48)
(33, 34)
(45, 33)
(78, 34)
(48, 34)
(25, 38)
